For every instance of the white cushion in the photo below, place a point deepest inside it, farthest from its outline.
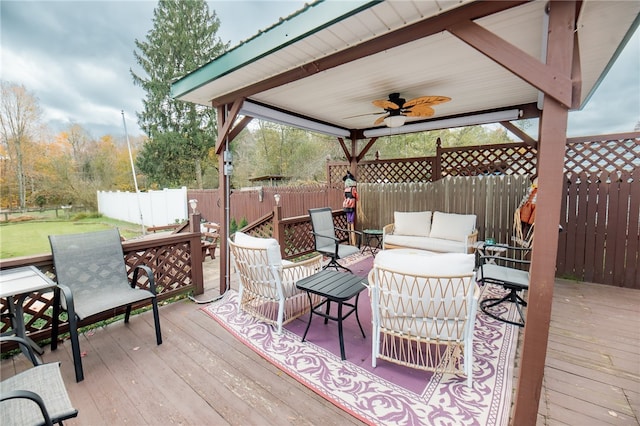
(270, 244)
(421, 262)
(426, 243)
(451, 226)
(412, 223)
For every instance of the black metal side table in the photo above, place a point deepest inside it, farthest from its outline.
(372, 236)
(336, 287)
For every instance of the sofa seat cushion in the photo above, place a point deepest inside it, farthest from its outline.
(426, 243)
(425, 263)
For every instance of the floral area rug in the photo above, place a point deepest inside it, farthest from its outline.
(389, 394)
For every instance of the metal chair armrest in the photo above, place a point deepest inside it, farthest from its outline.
(26, 394)
(24, 344)
(149, 273)
(325, 236)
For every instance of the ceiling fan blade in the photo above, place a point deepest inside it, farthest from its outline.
(380, 120)
(363, 115)
(385, 104)
(420, 111)
(426, 100)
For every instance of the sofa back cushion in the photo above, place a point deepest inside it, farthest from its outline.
(451, 226)
(412, 223)
(269, 244)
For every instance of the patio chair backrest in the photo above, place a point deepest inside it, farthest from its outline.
(80, 258)
(257, 261)
(322, 224)
(37, 395)
(92, 266)
(432, 296)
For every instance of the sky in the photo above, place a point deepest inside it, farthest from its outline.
(75, 56)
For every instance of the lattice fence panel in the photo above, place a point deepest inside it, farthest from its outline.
(506, 159)
(37, 308)
(298, 238)
(171, 265)
(335, 172)
(396, 171)
(607, 155)
(262, 229)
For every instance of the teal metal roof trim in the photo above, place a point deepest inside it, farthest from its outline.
(311, 19)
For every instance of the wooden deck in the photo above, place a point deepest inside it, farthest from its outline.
(202, 375)
(592, 369)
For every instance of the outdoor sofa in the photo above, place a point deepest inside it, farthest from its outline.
(431, 231)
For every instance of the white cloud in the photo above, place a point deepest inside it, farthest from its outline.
(615, 105)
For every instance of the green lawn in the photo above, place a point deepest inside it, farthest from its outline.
(31, 237)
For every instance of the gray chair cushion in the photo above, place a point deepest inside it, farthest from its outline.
(44, 380)
(504, 276)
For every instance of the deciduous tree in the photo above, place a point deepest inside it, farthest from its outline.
(20, 122)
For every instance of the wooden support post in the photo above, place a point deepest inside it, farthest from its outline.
(553, 135)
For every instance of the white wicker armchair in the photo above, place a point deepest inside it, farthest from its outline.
(267, 283)
(424, 307)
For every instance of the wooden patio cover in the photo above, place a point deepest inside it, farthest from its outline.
(320, 68)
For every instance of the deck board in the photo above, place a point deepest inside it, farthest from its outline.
(592, 369)
(201, 374)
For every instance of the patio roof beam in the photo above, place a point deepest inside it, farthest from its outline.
(544, 77)
(223, 132)
(347, 154)
(366, 148)
(519, 133)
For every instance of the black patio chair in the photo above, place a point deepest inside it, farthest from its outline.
(326, 242)
(510, 271)
(93, 278)
(35, 396)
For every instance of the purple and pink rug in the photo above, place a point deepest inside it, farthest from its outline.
(388, 394)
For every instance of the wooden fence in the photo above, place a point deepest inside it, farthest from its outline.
(601, 215)
(253, 204)
(600, 242)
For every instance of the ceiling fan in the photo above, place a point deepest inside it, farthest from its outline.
(397, 109)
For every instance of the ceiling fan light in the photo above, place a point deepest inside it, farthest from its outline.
(395, 120)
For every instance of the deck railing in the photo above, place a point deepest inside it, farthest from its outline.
(176, 261)
(293, 233)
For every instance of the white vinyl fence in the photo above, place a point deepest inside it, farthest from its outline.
(157, 208)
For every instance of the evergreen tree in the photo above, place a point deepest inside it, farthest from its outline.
(183, 38)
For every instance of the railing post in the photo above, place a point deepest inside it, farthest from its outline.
(194, 222)
(197, 257)
(437, 165)
(278, 229)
